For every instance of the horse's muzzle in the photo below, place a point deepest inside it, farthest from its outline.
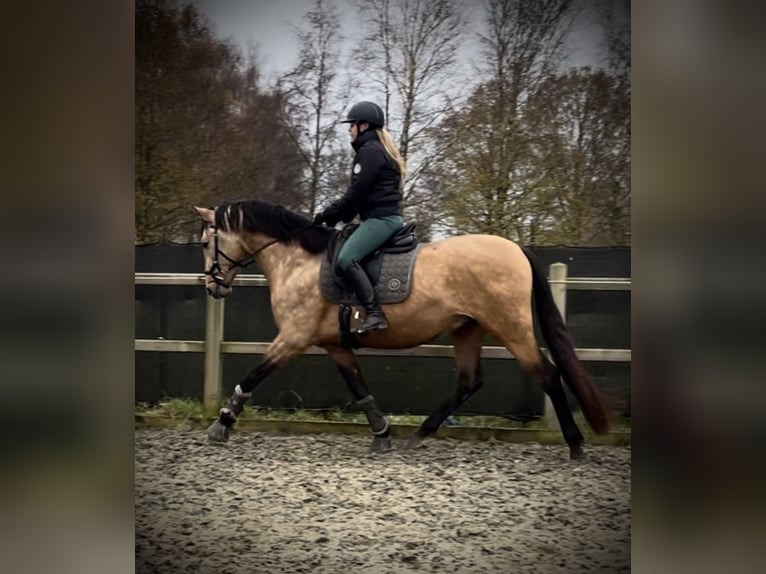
(218, 292)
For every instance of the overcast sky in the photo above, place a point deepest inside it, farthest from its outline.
(265, 24)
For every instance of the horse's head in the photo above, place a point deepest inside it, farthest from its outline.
(225, 254)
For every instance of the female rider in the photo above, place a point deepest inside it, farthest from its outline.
(375, 195)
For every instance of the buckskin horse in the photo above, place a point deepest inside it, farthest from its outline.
(467, 286)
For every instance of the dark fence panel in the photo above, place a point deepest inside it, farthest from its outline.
(588, 261)
(169, 258)
(163, 375)
(414, 385)
(599, 319)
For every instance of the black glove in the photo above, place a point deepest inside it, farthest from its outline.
(329, 216)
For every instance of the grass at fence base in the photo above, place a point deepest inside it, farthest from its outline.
(189, 413)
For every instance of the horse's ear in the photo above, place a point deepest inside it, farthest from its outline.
(207, 215)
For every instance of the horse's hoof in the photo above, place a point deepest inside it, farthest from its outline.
(416, 441)
(218, 433)
(381, 444)
(576, 452)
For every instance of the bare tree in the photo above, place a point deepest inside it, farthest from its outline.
(613, 16)
(184, 80)
(487, 178)
(205, 131)
(314, 100)
(409, 56)
(582, 158)
(540, 155)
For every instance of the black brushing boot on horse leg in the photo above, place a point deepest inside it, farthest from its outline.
(220, 430)
(378, 424)
(357, 278)
(349, 370)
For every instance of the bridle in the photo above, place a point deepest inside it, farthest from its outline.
(216, 271)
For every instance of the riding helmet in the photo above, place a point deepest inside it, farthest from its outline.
(366, 112)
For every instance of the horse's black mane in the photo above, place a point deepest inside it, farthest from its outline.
(274, 221)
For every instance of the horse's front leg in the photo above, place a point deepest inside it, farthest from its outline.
(348, 366)
(279, 352)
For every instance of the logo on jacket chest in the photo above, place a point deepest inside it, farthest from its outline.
(357, 167)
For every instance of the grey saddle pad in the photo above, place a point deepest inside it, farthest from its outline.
(394, 285)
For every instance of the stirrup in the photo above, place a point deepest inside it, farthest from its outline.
(381, 323)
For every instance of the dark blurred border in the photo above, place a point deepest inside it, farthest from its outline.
(698, 282)
(66, 311)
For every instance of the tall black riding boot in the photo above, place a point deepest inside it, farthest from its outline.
(357, 278)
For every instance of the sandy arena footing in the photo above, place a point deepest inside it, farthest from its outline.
(265, 503)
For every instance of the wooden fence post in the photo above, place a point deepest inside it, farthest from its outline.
(213, 337)
(557, 273)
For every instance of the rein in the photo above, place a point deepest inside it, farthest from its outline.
(216, 271)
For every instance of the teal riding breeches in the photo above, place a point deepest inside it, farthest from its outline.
(370, 235)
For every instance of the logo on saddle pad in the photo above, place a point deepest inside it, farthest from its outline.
(389, 268)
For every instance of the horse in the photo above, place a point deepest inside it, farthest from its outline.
(466, 285)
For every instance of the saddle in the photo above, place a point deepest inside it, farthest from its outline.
(389, 267)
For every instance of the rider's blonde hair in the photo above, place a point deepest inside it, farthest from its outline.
(393, 152)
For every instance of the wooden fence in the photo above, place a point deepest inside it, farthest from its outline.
(214, 345)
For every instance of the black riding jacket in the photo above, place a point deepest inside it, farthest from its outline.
(375, 178)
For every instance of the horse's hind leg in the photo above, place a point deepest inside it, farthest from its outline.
(352, 375)
(467, 343)
(536, 366)
(551, 384)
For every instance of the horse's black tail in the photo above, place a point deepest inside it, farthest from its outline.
(562, 350)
